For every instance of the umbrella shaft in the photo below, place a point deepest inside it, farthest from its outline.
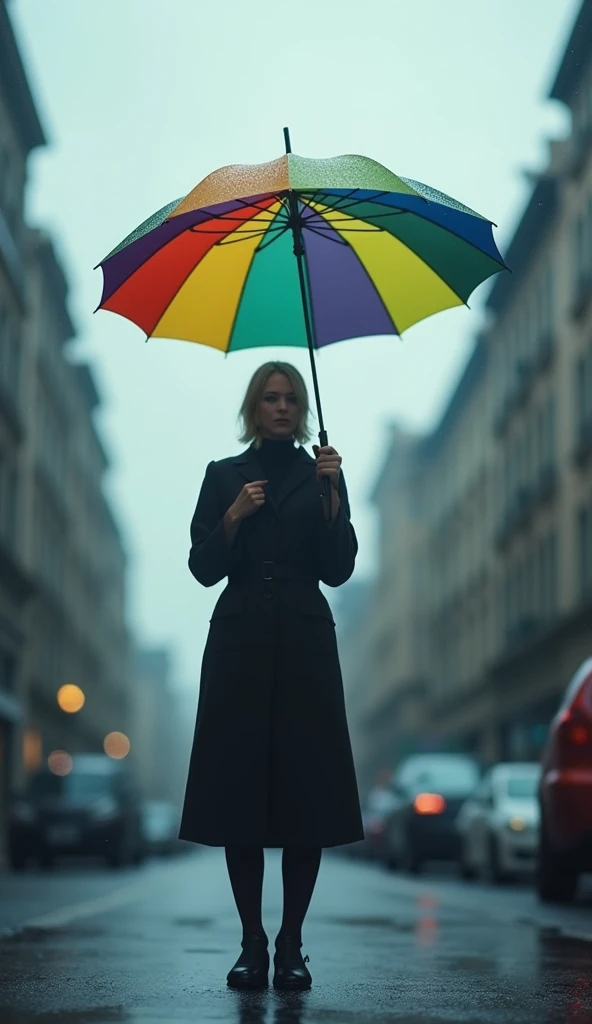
(310, 338)
(299, 252)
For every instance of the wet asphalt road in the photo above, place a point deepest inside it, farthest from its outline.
(84, 946)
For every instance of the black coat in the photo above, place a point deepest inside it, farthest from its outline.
(271, 763)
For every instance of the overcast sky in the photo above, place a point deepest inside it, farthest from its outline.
(140, 99)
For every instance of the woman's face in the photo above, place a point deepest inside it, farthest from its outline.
(278, 412)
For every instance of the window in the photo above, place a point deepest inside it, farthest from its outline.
(8, 499)
(584, 519)
(553, 570)
(580, 261)
(548, 575)
(523, 787)
(10, 353)
(508, 605)
(4, 170)
(581, 385)
(438, 773)
(529, 584)
(549, 292)
(11, 517)
(77, 786)
(7, 670)
(528, 453)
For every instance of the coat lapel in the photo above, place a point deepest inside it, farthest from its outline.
(301, 469)
(248, 465)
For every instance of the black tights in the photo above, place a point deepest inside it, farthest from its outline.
(300, 867)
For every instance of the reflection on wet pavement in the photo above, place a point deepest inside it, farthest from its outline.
(382, 951)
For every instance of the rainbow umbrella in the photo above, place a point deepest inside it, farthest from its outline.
(375, 253)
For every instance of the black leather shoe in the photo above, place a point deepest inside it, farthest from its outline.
(290, 971)
(252, 967)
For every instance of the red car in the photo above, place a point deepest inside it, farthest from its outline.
(565, 794)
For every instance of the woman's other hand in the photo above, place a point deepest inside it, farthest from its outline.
(250, 499)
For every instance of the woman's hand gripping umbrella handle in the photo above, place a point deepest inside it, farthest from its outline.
(328, 471)
(324, 441)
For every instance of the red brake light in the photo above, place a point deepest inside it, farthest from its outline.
(429, 803)
(579, 734)
(574, 738)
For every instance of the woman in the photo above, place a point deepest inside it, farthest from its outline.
(271, 764)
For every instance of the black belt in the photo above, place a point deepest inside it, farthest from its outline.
(272, 571)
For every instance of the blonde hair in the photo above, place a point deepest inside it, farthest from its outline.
(248, 410)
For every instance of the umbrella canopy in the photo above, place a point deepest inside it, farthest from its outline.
(380, 252)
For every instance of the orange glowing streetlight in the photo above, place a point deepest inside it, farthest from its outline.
(71, 698)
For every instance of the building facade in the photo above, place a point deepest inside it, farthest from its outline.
(62, 559)
(484, 597)
(20, 133)
(71, 545)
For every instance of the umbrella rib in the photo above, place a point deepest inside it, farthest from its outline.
(308, 199)
(174, 296)
(273, 226)
(436, 224)
(371, 217)
(224, 220)
(197, 229)
(345, 203)
(243, 236)
(247, 205)
(218, 231)
(279, 231)
(319, 228)
(327, 236)
(240, 299)
(353, 231)
(337, 238)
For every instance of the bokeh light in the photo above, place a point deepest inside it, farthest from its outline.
(71, 698)
(32, 749)
(117, 745)
(60, 762)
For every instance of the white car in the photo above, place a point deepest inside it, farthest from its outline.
(498, 825)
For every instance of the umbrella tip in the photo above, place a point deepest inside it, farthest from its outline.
(287, 140)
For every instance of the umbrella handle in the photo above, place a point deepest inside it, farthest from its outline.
(326, 496)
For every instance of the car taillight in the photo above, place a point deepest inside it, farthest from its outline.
(429, 803)
(574, 738)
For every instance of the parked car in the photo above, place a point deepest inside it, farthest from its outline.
(378, 805)
(498, 823)
(160, 828)
(565, 794)
(94, 810)
(428, 790)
